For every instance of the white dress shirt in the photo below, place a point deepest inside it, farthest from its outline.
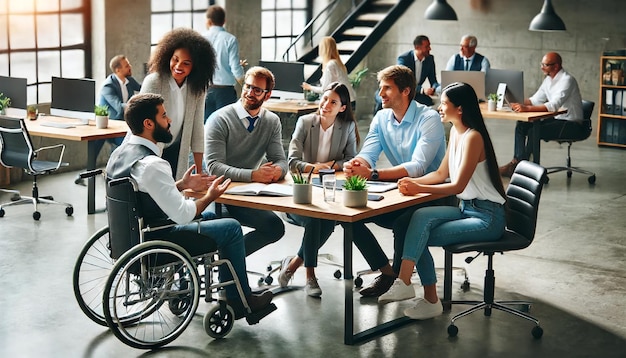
(560, 92)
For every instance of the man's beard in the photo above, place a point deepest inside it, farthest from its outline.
(254, 106)
(162, 134)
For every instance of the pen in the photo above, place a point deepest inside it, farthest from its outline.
(332, 165)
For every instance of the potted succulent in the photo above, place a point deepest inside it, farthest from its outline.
(5, 102)
(355, 192)
(31, 112)
(302, 187)
(102, 116)
(492, 101)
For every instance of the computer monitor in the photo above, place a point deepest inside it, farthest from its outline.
(288, 76)
(514, 84)
(476, 79)
(15, 89)
(73, 97)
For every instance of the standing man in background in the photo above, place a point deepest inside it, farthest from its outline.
(229, 67)
(468, 59)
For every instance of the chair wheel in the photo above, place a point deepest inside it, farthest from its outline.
(358, 282)
(454, 330)
(537, 332)
(592, 179)
(69, 210)
(465, 286)
(269, 268)
(36, 215)
(218, 321)
(1, 213)
(269, 279)
(337, 274)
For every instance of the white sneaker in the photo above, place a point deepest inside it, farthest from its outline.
(424, 309)
(312, 288)
(285, 276)
(399, 291)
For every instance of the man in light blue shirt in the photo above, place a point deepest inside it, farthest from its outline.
(229, 69)
(412, 138)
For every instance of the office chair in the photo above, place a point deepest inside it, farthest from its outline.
(16, 150)
(523, 194)
(586, 121)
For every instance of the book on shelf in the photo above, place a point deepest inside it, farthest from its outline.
(608, 101)
(617, 103)
(253, 189)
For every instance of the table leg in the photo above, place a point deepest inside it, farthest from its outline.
(91, 181)
(536, 141)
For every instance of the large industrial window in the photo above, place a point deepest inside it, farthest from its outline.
(44, 38)
(170, 14)
(281, 22)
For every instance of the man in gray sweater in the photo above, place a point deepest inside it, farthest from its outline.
(243, 142)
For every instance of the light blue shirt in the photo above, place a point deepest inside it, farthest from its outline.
(417, 142)
(226, 49)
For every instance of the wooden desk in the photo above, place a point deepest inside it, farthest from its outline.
(79, 133)
(336, 211)
(299, 107)
(533, 117)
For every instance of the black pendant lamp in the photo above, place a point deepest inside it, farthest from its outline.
(547, 19)
(440, 10)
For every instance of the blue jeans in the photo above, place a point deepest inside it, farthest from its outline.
(316, 232)
(474, 220)
(218, 97)
(268, 227)
(227, 234)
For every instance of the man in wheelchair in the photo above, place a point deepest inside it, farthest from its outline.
(161, 198)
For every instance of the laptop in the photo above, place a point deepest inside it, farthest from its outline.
(476, 79)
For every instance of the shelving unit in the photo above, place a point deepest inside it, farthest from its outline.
(612, 111)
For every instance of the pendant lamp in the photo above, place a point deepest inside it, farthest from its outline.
(547, 19)
(440, 10)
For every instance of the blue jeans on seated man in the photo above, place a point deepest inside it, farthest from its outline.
(472, 221)
(316, 232)
(227, 234)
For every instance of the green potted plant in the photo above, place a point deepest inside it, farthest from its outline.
(355, 192)
(492, 101)
(355, 78)
(302, 188)
(31, 112)
(102, 116)
(5, 102)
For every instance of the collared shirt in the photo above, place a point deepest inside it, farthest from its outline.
(484, 64)
(243, 114)
(176, 111)
(154, 177)
(417, 142)
(560, 92)
(123, 88)
(418, 67)
(226, 49)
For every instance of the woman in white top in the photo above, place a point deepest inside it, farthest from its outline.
(470, 163)
(333, 70)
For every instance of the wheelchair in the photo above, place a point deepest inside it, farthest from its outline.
(147, 289)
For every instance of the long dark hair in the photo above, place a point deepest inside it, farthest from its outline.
(463, 95)
(347, 115)
(202, 56)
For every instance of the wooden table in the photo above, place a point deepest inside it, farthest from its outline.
(79, 133)
(320, 209)
(533, 117)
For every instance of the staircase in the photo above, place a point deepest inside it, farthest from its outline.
(363, 26)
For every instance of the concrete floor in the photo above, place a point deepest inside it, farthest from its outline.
(574, 271)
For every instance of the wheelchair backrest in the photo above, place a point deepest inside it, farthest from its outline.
(124, 215)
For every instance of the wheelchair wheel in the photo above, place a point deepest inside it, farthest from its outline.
(219, 320)
(145, 284)
(91, 271)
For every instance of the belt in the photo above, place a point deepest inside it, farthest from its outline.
(221, 86)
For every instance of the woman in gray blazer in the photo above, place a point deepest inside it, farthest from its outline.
(322, 140)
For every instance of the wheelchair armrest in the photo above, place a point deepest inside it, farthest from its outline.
(90, 173)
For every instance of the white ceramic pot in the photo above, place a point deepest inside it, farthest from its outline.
(102, 122)
(302, 193)
(491, 105)
(354, 198)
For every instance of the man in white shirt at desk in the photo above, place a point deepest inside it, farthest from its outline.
(558, 90)
(412, 138)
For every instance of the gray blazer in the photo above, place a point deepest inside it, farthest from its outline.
(192, 135)
(305, 141)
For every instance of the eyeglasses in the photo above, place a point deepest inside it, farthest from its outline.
(257, 91)
(547, 64)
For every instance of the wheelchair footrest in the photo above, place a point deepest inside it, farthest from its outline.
(255, 317)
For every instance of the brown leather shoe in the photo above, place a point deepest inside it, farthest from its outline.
(380, 285)
(508, 169)
(256, 301)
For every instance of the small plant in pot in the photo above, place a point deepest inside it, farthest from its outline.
(355, 192)
(102, 116)
(492, 101)
(302, 188)
(31, 112)
(5, 102)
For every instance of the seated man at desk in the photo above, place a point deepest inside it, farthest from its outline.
(468, 59)
(558, 90)
(243, 142)
(139, 158)
(411, 136)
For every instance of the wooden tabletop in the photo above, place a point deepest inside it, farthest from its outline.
(517, 116)
(78, 133)
(290, 106)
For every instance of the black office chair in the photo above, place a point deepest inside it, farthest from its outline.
(523, 195)
(586, 121)
(16, 150)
